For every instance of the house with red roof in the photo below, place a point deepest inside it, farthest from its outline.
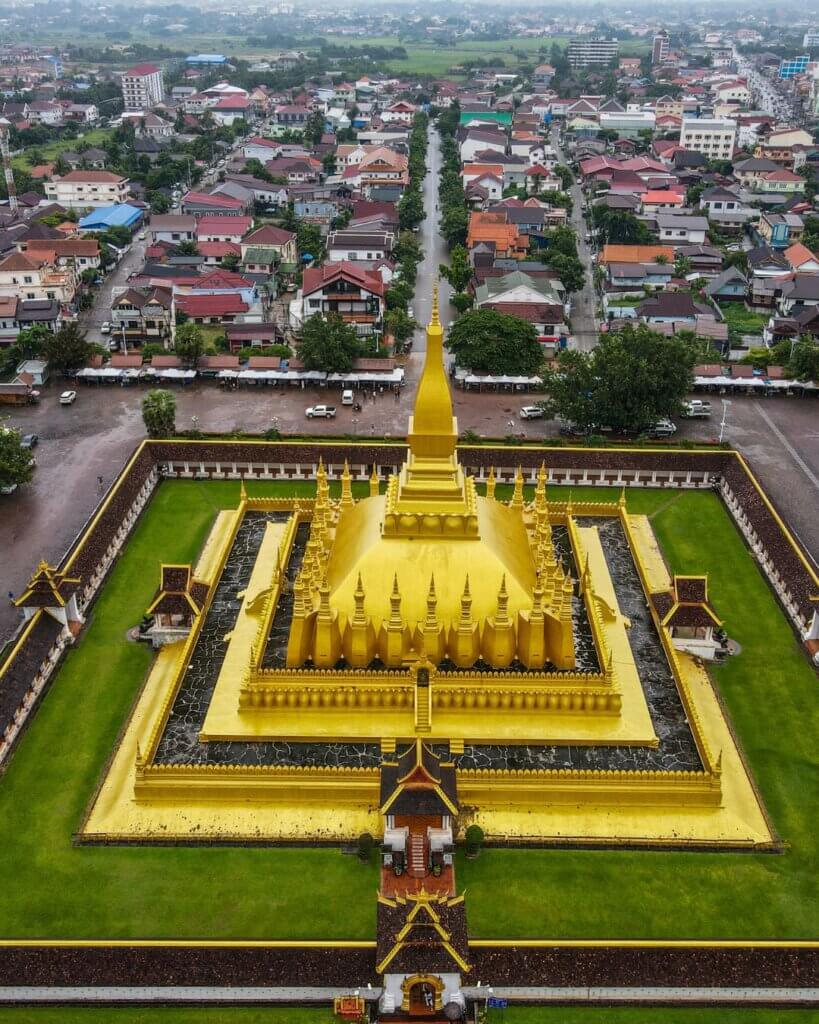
(343, 288)
(212, 309)
(222, 229)
(233, 108)
(205, 204)
(773, 182)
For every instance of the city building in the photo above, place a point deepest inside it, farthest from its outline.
(142, 87)
(659, 47)
(792, 66)
(79, 190)
(713, 137)
(585, 53)
(355, 294)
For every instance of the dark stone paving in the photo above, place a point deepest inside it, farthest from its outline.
(180, 743)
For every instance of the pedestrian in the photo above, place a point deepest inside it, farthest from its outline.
(11, 597)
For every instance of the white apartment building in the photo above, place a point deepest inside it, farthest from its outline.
(80, 190)
(584, 53)
(713, 137)
(142, 87)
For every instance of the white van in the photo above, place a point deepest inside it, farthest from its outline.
(347, 397)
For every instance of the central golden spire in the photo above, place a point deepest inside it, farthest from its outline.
(431, 482)
(433, 429)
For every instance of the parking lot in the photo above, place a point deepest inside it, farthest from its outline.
(81, 443)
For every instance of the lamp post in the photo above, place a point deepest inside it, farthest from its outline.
(725, 403)
(195, 424)
(355, 425)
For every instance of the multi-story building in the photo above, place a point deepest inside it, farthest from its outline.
(810, 40)
(793, 66)
(584, 53)
(713, 137)
(659, 47)
(355, 294)
(146, 315)
(142, 87)
(37, 277)
(79, 190)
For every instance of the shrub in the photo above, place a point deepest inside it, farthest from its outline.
(474, 839)
(365, 846)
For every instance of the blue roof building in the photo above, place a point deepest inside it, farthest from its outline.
(206, 58)
(123, 215)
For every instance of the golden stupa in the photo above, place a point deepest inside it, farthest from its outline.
(431, 570)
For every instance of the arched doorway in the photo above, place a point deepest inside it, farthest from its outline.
(423, 994)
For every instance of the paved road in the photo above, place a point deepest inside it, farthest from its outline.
(584, 304)
(435, 253)
(92, 319)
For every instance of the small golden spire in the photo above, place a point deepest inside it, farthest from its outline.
(435, 319)
(242, 491)
(359, 618)
(466, 603)
(517, 495)
(540, 488)
(432, 602)
(490, 483)
(374, 483)
(395, 604)
(621, 501)
(346, 487)
(324, 612)
(502, 614)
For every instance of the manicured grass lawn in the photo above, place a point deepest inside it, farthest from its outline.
(166, 1015)
(50, 888)
(648, 1015)
(770, 692)
(322, 1015)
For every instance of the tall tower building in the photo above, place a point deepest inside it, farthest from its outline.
(659, 47)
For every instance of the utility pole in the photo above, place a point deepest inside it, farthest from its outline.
(8, 172)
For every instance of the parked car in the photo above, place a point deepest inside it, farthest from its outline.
(696, 409)
(106, 327)
(68, 397)
(531, 412)
(141, 236)
(29, 440)
(573, 430)
(662, 429)
(347, 397)
(325, 411)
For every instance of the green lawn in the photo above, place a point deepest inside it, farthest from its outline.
(305, 1015)
(51, 150)
(166, 1015)
(51, 888)
(741, 320)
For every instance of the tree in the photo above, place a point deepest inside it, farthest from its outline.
(459, 271)
(160, 203)
(328, 344)
(68, 349)
(462, 301)
(570, 271)
(314, 128)
(400, 325)
(309, 240)
(486, 341)
(231, 261)
(410, 209)
(187, 248)
(16, 463)
(189, 343)
(630, 380)
(619, 227)
(565, 175)
(804, 361)
(159, 413)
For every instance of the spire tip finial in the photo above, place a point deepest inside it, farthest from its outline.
(434, 320)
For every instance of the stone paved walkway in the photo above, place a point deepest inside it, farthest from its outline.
(803, 997)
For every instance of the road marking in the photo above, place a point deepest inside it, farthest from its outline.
(797, 458)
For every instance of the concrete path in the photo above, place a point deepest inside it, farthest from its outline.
(802, 997)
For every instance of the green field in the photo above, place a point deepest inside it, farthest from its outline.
(302, 1015)
(51, 150)
(51, 888)
(422, 58)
